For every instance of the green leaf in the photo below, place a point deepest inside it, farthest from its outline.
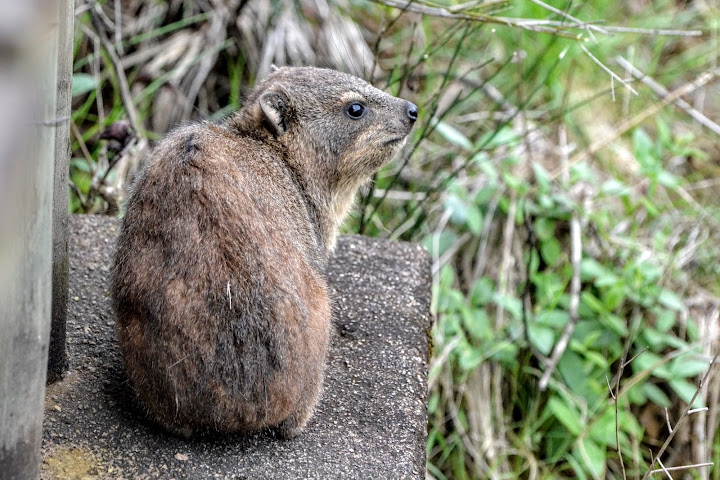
(566, 415)
(582, 172)
(451, 325)
(649, 360)
(649, 271)
(636, 396)
(543, 338)
(663, 132)
(614, 323)
(82, 83)
(692, 330)
(677, 343)
(613, 297)
(643, 148)
(577, 467)
(482, 291)
(485, 194)
(550, 250)
(82, 181)
(470, 358)
(545, 201)
(597, 359)
(444, 240)
(544, 228)
(683, 367)
(651, 208)
(654, 339)
(474, 219)
(685, 390)
(614, 188)
(503, 137)
(629, 423)
(490, 172)
(451, 301)
(591, 302)
(433, 402)
(668, 180)
(447, 276)
(591, 268)
(457, 208)
(80, 164)
(553, 318)
(510, 304)
(665, 319)
(670, 300)
(655, 394)
(572, 369)
(603, 430)
(541, 176)
(515, 183)
(505, 354)
(477, 323)
(453, 135)
(592, 456)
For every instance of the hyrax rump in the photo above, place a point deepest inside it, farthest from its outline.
(219, 279)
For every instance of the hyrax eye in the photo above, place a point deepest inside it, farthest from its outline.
(355, 110)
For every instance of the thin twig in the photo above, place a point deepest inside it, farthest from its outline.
(545, 26)
(636, 356)
(508, 233)
(683, 416)
(662, 92)
(566, 15)
(630, 123)
(682, 467)
(575, 257)
(125, 95)
(450, 252)
(654, 31)
(612, 74)
(561, 28)
(664, 469)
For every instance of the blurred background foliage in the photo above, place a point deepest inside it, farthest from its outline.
(562, 174)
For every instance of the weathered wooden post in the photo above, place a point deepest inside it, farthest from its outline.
(28, 76)
(57, 358)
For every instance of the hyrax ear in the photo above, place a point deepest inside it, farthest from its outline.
(275, 106)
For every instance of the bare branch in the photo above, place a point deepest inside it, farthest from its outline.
(683, 417)
(662, 92)
(575, 257)
(630, 123)
(682, 467)
(610, 72)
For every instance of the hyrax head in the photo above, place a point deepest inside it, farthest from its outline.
(343, 125)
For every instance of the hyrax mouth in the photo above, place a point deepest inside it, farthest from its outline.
(397, 141)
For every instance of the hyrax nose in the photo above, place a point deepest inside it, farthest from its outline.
(411, 111)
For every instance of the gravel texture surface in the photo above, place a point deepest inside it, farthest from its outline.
(370, 423)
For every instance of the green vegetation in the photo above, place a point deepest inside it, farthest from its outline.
(571, 212)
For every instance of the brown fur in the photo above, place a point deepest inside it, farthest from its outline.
(219, 279)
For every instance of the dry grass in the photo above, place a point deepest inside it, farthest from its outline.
(159, 64)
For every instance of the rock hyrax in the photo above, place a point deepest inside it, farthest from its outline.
(219, 278)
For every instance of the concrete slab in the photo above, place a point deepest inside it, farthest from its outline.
(371, 422)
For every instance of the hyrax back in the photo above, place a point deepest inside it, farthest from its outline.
(219, 280)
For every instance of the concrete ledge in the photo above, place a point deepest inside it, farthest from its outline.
(371, 421)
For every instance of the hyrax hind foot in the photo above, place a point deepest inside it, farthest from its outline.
(294, 424)
(219, 278)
